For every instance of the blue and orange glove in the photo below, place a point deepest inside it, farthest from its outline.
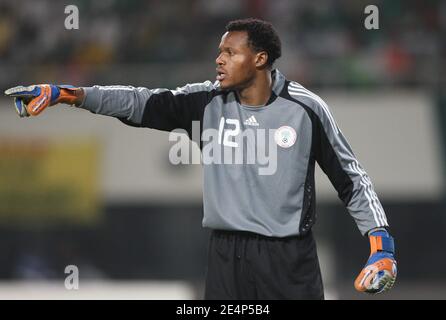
(33, 99)
(379, 273)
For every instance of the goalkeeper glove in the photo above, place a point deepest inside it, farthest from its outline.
(380, 271)
(33, 99)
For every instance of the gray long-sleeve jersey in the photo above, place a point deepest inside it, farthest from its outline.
(258, 161)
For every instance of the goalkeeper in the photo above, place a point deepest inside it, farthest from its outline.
(261, 244)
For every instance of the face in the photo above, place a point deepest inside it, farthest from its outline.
(237, 62)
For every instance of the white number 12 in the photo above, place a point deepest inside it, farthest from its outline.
(228, 132)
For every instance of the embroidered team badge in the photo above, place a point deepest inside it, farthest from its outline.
(285, 136)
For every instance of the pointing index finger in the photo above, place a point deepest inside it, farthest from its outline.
(21, 91)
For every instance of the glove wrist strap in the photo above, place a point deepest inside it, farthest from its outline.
(67, 95)
(381, 243)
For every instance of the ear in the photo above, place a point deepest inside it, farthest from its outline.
(261, 59)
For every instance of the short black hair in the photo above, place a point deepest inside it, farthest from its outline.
(261, 36)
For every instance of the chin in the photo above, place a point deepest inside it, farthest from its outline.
(225, 85)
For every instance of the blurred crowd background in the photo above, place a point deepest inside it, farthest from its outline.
(325, 42)
(79, 189)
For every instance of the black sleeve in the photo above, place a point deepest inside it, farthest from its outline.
(168, 111)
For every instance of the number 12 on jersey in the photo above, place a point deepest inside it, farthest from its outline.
(228, 133)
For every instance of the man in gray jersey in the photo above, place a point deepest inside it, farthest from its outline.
(261, 213)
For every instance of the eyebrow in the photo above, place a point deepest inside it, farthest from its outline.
(224, 48)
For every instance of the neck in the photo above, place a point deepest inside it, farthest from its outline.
(258, 92)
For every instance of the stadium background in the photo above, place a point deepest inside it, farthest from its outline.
(85, 190)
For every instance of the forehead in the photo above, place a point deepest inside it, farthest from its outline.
(234, 39)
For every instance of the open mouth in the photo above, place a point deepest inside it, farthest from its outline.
(220, 75)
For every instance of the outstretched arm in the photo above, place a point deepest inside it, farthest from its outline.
(161, 109)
